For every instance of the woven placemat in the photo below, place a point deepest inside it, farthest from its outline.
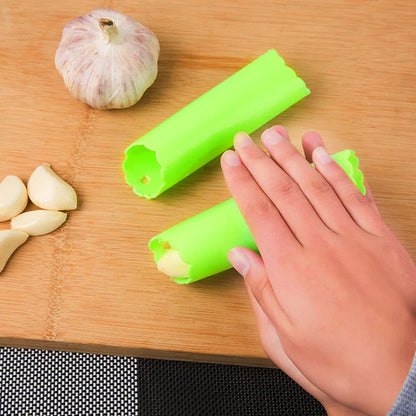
(49, 383)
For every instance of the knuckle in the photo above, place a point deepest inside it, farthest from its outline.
(261, 206)
(354, 196)
(319, 186)
(240, 178)
(255, 153)
(285, 187)
(348, 191)
(286, 153)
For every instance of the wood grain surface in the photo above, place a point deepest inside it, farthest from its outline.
(92, 285)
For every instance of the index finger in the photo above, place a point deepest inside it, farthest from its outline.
(267, 226)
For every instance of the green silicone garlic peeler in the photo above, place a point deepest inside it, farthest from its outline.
(206, 127)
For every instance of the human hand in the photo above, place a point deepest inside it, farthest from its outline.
(333, 282)
(273, 348)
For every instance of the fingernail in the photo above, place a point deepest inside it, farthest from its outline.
(271, 137)
(242, 140)
(231, 158)
(321, 156)
(239, 261)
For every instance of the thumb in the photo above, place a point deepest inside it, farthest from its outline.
(244, 260)
(272, 321)
(250, 265)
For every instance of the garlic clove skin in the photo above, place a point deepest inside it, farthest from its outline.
(38, 222)
(107, 59)
(13, 197)
(10, 240)
(49, 191)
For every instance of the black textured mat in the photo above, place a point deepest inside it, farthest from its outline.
(46, 383)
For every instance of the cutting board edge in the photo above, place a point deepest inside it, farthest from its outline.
(136, 352)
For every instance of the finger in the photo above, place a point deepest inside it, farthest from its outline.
(314, 186)
(360, 207)
(310, 141)
(281, 189)
(282, 131)
(369, 195)
(250, 265)
(274, 349)
(264, 220)
(269, 337)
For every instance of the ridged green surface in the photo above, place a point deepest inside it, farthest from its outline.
(206, 127)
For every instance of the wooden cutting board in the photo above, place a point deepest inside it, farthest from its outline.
(92, 285)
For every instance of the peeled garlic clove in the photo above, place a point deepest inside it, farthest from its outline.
(38, 222)
(10, 240)
(107, 59)
(13, 197)
(172, 265)
(49, 191)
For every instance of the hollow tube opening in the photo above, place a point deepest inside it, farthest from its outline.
(143, 171)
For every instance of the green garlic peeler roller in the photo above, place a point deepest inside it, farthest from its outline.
(206, 127)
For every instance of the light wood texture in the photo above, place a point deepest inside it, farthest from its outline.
(92, 285)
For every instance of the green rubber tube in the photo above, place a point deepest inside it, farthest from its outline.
(206, 127)
(204, 240)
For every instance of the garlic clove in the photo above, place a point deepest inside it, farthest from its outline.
(38, 222)
(13, 197)
(107, 59)
(49, 191)
(172, 265)
(10, 240)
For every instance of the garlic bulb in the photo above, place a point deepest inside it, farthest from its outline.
(107, 59)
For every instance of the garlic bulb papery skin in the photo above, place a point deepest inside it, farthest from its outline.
(107, 59)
